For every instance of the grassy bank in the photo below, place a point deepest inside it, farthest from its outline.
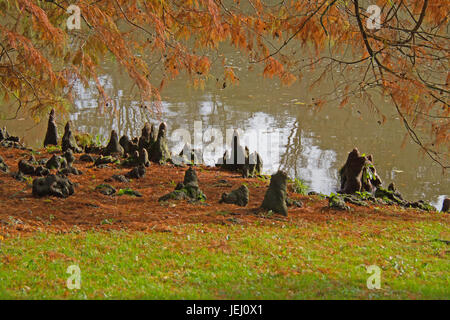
(138, 247)
(324, 260)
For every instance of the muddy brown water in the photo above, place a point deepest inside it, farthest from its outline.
(311, 145)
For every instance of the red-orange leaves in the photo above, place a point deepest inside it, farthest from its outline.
(288, 78)
(202, 66)
(273, 67)
(230, 76)
(276, 68)
(406, 59)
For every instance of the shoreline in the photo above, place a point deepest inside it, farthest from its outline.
(88, 209)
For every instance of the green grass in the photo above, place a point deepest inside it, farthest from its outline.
(53, 149)
(300, 186)
(324, 260)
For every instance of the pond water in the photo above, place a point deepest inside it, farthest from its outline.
(294, 136)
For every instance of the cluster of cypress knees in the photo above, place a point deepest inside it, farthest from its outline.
(358, 175)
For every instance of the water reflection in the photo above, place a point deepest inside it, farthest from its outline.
(312, 145)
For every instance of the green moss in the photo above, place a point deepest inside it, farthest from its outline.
(427, 207)
(354, 199)
(186, 192)
(53, 149)
(422, 205)
(129, 192)
(105, 160)
(388, 196)
(364, 195)
(129, 162)
(193, 193)
(337, 202)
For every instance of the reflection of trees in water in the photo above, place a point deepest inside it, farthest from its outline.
(303, 159)
(298, 155)
(312, 145)
(122, 113)
(290, 158)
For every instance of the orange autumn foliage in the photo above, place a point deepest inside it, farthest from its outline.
(407, 59)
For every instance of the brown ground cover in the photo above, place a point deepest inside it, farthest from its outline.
(88, 209)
